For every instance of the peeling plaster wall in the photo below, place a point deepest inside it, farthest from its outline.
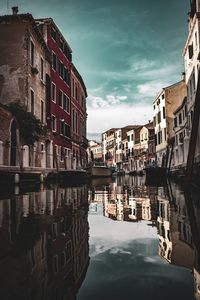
(13, 64)
(16, 77)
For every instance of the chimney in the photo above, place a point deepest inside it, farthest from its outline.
(183, 76)
(15, 10)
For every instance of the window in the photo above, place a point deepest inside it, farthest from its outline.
(67, 131)
(190, 51)
(42, 111)
(32, 53)
(61, 154)
(185, 110)
(163, 96)
(195, 39)
(61, 44)
(54, 61)
(66, 76)
(159, 117)
(60, 97)
(193, 81)
(53, 123)
(61, 69)
(159, 137)
(62, 127)
(72, 87)
(154, 121)
(163, 112)
(53, 91)
(53, 33)
(42, 147)
(175, 122)
(180, 118)
(165, 134)
(76, 115)
(67, 52)
(32, 102)
(158, 102)
(41, 69)
(76, 92)
(66, 103)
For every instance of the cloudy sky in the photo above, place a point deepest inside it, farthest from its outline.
(125, 50)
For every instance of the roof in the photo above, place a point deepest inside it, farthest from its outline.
(112, 129)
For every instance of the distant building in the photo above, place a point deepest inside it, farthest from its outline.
(167, 101)
(95, 152)
(78, 118)
(108, 144)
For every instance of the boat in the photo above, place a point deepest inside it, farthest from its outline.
(98, 171)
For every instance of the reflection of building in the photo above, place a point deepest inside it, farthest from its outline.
(44, 244)
(175, 240)
(130, 203)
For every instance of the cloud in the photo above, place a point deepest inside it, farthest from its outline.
(103, 116)
(150, 89)
(99, 102)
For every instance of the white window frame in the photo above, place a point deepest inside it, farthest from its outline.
(59, 98)
(68, 99)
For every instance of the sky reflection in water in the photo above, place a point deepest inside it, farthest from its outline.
(125, 264)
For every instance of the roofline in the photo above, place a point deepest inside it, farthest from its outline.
(181, 106)
(168, 87)
(50, 20)
(80, 78)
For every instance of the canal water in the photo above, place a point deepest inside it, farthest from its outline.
(107, 239)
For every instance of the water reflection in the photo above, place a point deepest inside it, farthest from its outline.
(144, 241)
(44, 251)
(177, 220)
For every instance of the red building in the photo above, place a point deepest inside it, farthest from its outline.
(79, 118)
(59, 107)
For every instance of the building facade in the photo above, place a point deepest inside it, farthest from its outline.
(167, 101)
(24, 80)
(59, 107)
(78, 118)
(191, 60)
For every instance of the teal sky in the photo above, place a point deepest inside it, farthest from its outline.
(126, 51)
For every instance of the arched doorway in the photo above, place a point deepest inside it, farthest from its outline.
(13, 146)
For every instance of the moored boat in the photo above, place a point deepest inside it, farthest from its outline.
(99, 171)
